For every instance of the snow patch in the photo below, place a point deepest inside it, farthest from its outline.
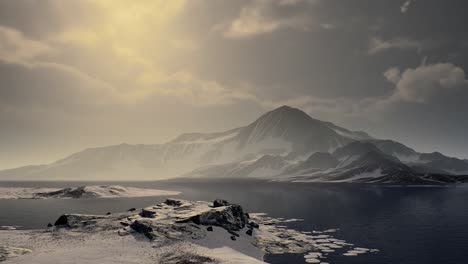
(102, 191)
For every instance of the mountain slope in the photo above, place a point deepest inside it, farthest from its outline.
(359, 161)
(283, 143)
(278, 132)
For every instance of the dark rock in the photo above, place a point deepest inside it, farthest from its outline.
(49, 225)
(62, 221)
(65, 193)
(147, 213)
(231, 217)
(108, 213)
(220, 202)
(186, 258)
(77, 220)
(249, 232)
(253, 225)
(143, 228)
(150, 236)
(131, 209)
(124, 223)
(210, 228)
(173, 202)
(247, 215)
(233, 238)
(233, 233)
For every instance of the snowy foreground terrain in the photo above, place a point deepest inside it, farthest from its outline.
(112, 191)
(175, 231)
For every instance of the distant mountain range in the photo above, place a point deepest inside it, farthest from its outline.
(285, 144)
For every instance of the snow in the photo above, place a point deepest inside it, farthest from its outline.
(119, 191)
(407, 158)
(206, 139)
(22, 193)
(11, 252)
(372, 174)
(103, 191)
(8, 227)
(111, 239)
(348, 134)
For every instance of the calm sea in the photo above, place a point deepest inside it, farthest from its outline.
(410, 225)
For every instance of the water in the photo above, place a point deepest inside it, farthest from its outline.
(410, 225)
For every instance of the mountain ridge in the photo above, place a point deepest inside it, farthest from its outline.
(267, 147)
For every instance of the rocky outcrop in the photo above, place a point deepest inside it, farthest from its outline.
(77, 220)
(230, 217)
(176, 224)
(220, 202)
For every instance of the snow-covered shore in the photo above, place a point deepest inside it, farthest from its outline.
(175, 231)
(102, 191)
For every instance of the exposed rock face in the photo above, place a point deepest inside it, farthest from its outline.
(77, 220)
(143, 227)
(173, 202)
(231, 217)
(148, 213)
(219, 203)
(66, 193)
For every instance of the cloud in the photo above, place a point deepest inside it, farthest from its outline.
(405, 6)
(392, 75)
(431, 84)
(377, 45)
(426, 82)
(45, 85)
(16, 48)
(263, 16)
(327, 26)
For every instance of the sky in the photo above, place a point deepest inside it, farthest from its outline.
(79, 74)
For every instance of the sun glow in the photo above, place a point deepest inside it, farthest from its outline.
(128, 40)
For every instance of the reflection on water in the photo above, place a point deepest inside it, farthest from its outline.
(408, 224)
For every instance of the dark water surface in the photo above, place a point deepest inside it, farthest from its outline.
(410, 225)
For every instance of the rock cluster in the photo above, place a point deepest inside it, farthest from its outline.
(222, 214)
(177, 220)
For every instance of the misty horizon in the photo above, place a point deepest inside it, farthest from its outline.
(181, 134)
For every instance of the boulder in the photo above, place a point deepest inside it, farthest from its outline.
(143, 227)
(173, 202)
(148, 212)
(77, 220)
(220, 202)
(253, 225)
(231, 217)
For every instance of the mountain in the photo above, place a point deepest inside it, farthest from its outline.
(263, 167)
(360, 161)
(284, 144)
